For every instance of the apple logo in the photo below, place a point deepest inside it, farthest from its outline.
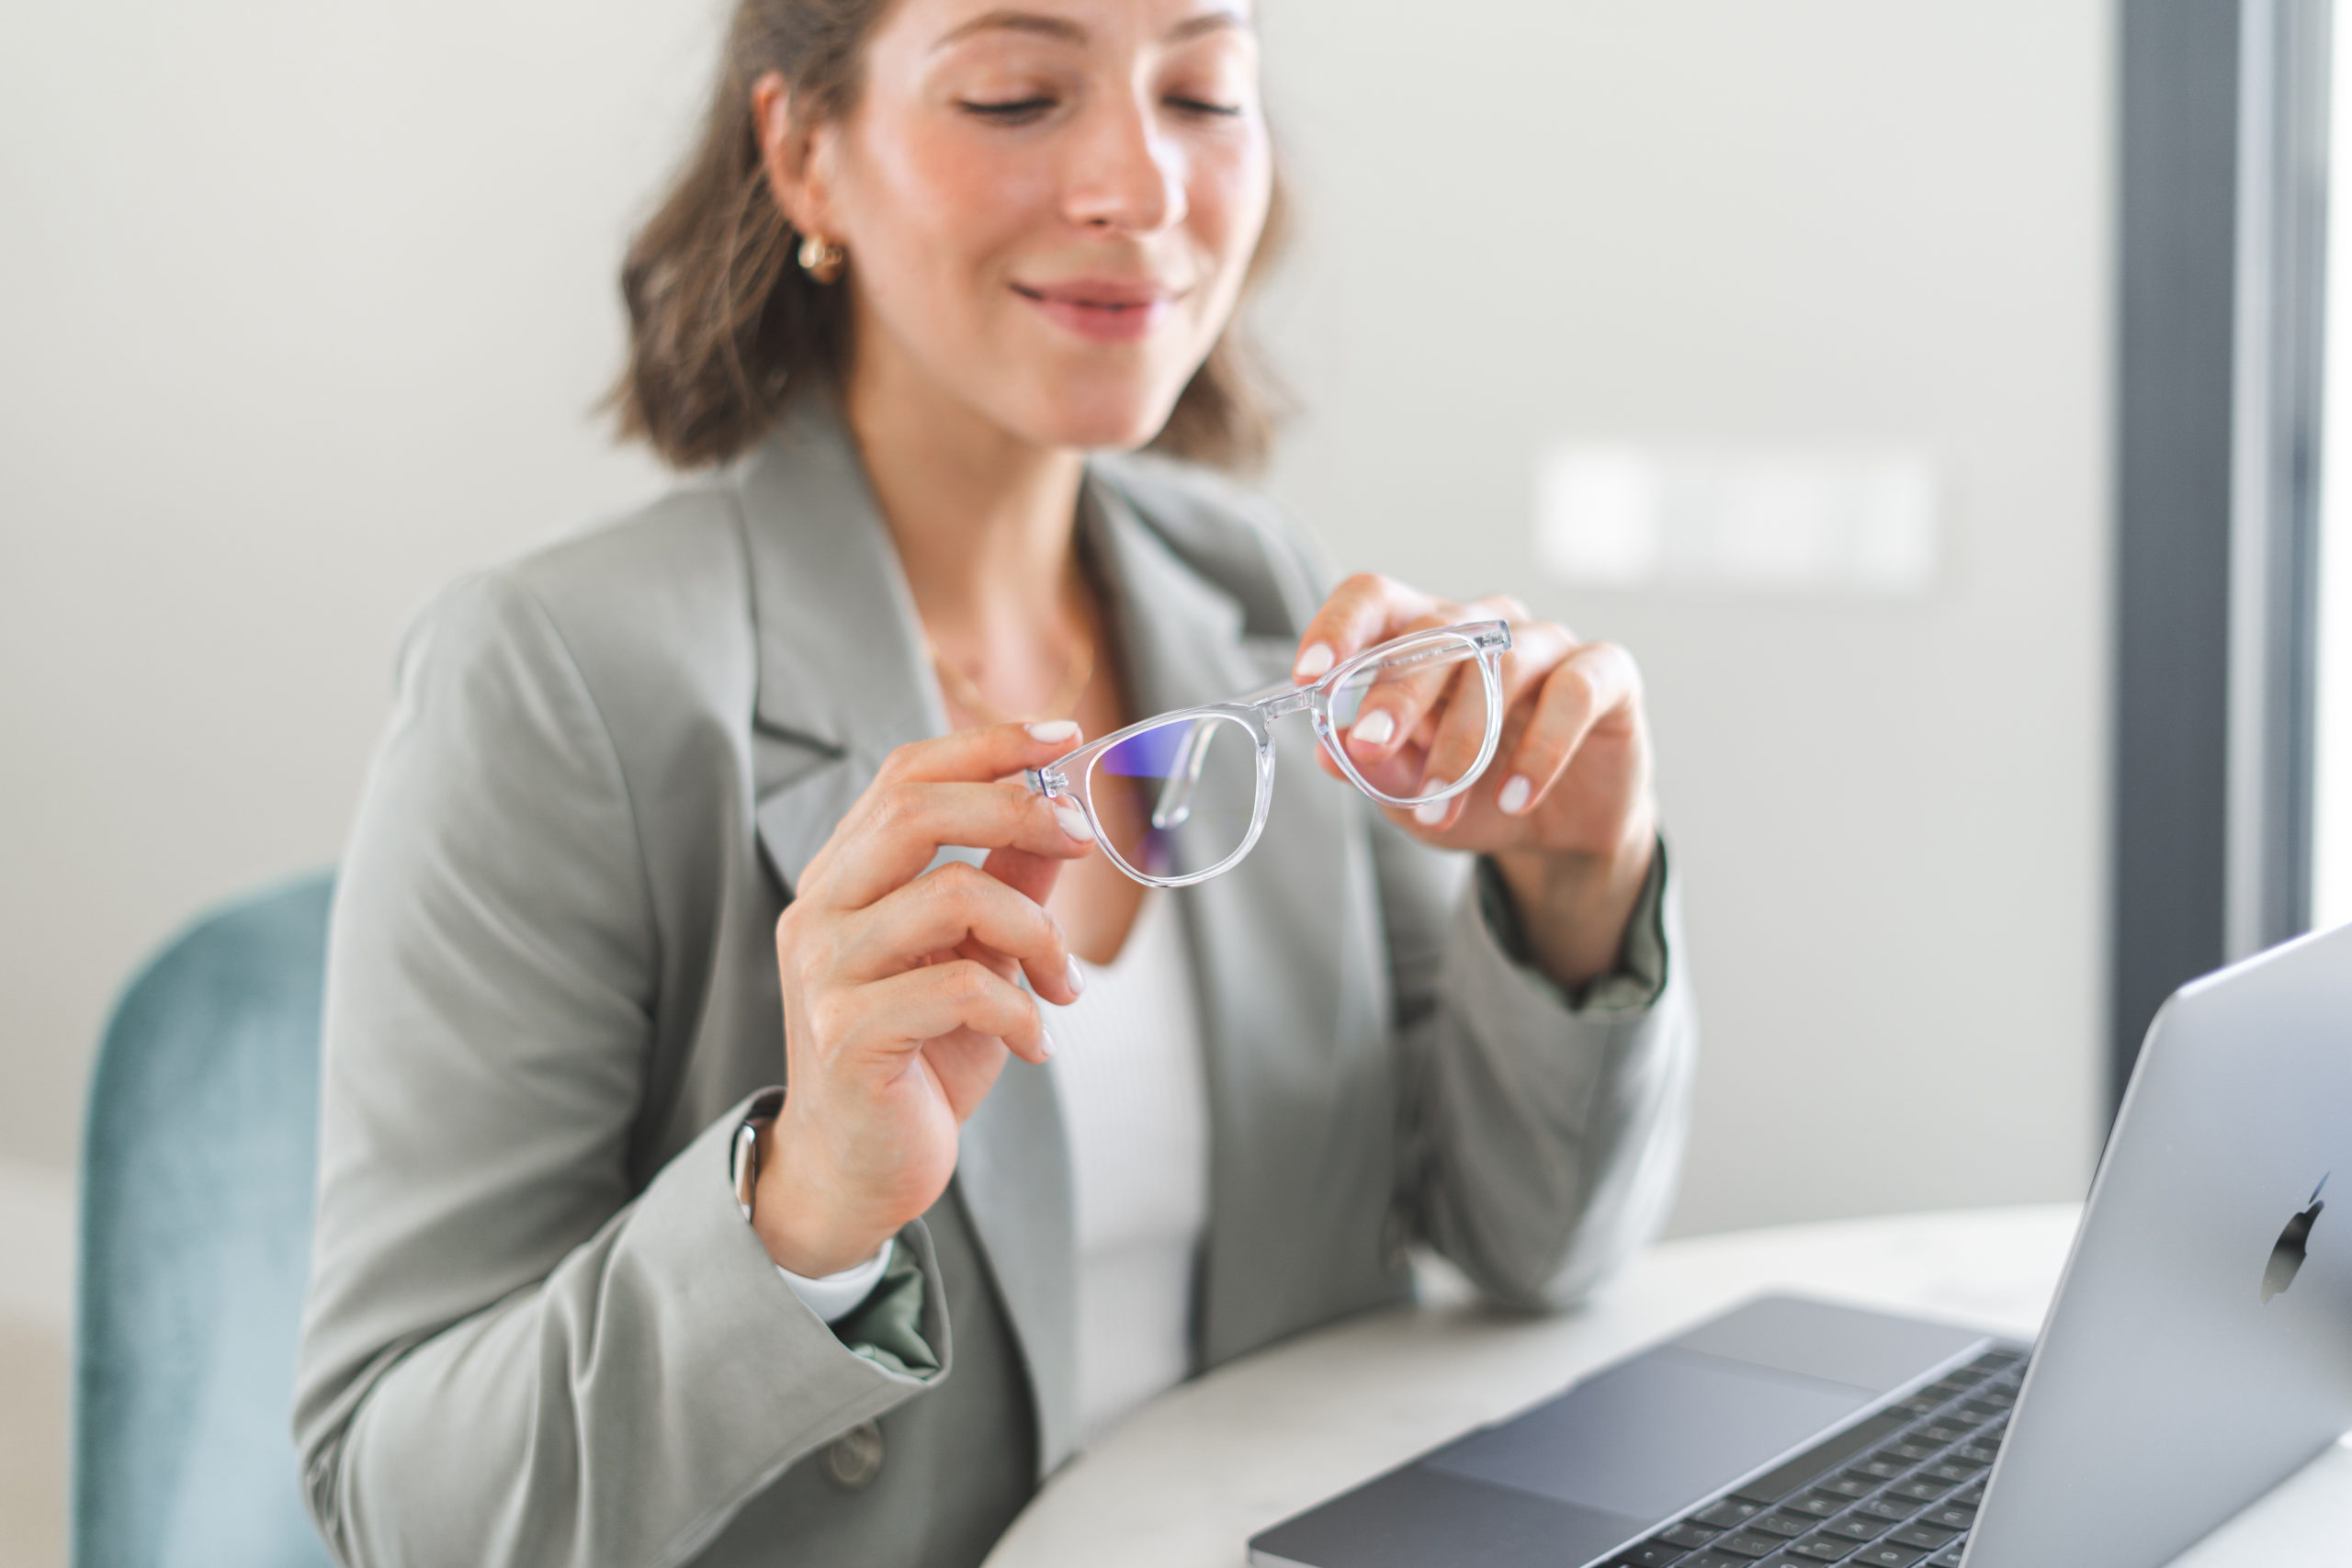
(2288, 1255)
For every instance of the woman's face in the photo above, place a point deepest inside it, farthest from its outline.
(1049, 205)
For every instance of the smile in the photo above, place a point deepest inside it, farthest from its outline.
(1102, 309)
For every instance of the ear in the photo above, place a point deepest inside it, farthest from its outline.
(794, 152)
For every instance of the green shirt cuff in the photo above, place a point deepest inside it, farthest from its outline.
(1640, 976)
(887, 1329)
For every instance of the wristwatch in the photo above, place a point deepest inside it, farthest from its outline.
(743, 1155)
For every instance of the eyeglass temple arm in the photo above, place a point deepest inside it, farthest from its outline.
(1175, 803)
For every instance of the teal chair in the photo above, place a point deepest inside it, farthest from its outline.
(196, 1242)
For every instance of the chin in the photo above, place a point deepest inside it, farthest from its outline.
(1094, 418)
(1088, 399)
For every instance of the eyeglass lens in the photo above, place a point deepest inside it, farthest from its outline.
(1177, 799)
(1437, 692)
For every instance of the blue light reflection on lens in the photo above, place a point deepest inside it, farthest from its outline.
(1147, 756)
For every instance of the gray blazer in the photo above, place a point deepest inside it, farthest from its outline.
(540, 1331)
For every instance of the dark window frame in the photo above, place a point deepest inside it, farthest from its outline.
(2221, 248)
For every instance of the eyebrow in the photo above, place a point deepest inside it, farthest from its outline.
(1038, 24)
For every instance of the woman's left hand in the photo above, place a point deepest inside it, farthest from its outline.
(1564, 809)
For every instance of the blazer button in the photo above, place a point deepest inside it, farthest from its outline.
(855, 1457)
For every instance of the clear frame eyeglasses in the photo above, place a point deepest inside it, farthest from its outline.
(1178, 799)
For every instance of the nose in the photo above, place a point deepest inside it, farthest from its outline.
(1123, 177)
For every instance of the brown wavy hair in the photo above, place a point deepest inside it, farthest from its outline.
(721, 321)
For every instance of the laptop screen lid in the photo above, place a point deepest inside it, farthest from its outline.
(2199, 1347)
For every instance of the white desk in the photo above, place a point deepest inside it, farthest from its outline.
(1188, 1480)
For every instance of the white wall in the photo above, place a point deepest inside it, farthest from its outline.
(304, 308)
(1811, 224)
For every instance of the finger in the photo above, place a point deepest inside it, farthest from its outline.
(894, 1016)
(966, 1066)
(1597, 679)
(896, 830)
(1359, 614)
(1391, 702)
(976, 756)
(1434, 717)
(949, 906)
(1458, 732)
(1032, 876)
(1394, 717)
(995, 753)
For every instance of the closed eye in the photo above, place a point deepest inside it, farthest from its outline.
(1012, 111)
(1202, 106)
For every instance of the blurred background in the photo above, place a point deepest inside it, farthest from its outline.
(1776, 341)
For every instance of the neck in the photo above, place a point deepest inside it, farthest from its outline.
(985, 522)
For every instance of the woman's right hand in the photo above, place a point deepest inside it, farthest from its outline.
(900, 992)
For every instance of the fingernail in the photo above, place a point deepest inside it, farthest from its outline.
(1317, 661)
(1054, 730)
(1514, 796)
(1373, 729)
(1073, 821)
(1076, 978)
(1430, 813)
(1045, 1043)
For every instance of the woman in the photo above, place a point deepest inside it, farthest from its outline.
(654, 829)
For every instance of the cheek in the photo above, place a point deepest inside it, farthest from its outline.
(942, 205)
(1229, 189)
(1231, 186)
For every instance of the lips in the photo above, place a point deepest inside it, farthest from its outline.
(1102, 309)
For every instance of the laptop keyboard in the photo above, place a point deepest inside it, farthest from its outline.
(1896, 1491)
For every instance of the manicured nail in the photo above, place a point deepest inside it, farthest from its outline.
(1076, 978)
(1373, 729)
(1045, 1043)
(1430, 813)
(1514, 795)
(1054, 730)
(1316, 661)
(1073, 821)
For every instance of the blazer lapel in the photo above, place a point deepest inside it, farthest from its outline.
(843, 678)
(1284, 948)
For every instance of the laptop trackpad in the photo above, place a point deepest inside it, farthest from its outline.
(1651, 1436)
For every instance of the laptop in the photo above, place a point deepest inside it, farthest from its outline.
(2198, 1352)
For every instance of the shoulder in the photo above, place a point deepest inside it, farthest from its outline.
(660, 567)
(1231, 534)
(635, 611)
(639, 577)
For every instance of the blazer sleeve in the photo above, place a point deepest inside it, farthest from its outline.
(1542, 1134)
(509, 1355)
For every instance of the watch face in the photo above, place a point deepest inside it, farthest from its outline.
(746, 1163)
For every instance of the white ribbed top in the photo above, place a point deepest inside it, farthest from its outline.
(1128, 1065)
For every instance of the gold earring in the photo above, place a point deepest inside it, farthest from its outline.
(821, 260)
